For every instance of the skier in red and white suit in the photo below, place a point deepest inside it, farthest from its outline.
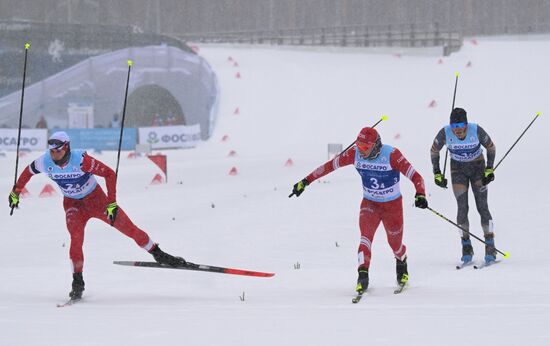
(379, 166)
(74, 172)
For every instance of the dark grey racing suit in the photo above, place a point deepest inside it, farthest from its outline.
(465, 173)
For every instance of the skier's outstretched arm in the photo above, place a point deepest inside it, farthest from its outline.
(347, 158)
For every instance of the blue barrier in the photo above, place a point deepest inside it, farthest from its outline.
(101, 139)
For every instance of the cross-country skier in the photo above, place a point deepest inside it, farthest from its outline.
(74, 171)
(379, 166)
(464, 141)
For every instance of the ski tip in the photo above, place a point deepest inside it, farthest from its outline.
(538, 114)
(27, 45)
(506, 255)
(130, 62)
(456, 74)
(384, 117)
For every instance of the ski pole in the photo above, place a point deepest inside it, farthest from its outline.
(384, 117)
(130, 62)
(27, 46)
(505, 254)
(517, 140)
(452, 108)
(122, 122)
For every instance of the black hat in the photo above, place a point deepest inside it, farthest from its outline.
(458, 115)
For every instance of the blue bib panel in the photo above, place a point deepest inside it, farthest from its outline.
(73, 182)
(464, 150)
(380, 181)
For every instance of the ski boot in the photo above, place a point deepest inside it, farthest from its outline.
(362, 280)
(164, 258)
(77, 287)
(402, 272)
(467, 251)
(490, 250)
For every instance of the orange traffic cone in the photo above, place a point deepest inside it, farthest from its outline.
(47, 191)
(157, 179)
(25, 193)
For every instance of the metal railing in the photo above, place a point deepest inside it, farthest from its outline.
(410, 35)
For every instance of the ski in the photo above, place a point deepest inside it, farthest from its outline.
(464, 265)
(357, 298)
(68, 303)
(196, 267)
(485, 264)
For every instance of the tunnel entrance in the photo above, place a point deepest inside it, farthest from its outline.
(152, 105)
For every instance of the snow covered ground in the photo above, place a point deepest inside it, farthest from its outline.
(292, 102)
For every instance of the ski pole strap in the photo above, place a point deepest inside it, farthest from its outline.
(505, 254)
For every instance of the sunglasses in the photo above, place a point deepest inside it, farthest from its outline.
(56, 144)
(363, 146)
(458, 125)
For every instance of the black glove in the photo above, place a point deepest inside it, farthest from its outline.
(488, 176)
(440, 179)
(420, 201)
(13, 200)
(299, 187)
(112, 211)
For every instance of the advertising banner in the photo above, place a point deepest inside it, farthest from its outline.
(102, 139)
(166, 137)
(31, 139)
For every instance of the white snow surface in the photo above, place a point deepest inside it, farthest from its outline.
(292, 103)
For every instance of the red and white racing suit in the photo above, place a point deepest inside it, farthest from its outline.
(382, 202)
(93, 205)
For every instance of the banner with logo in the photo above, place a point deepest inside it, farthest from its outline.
(167, 137)
(101, 139)
(31, 139)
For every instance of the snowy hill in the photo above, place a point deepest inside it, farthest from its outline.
(291, 104)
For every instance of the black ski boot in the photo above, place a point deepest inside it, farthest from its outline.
(402, 272)
(467, 251)
(164, 258)
(362, 280)
(490, 250)
(78, 287)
